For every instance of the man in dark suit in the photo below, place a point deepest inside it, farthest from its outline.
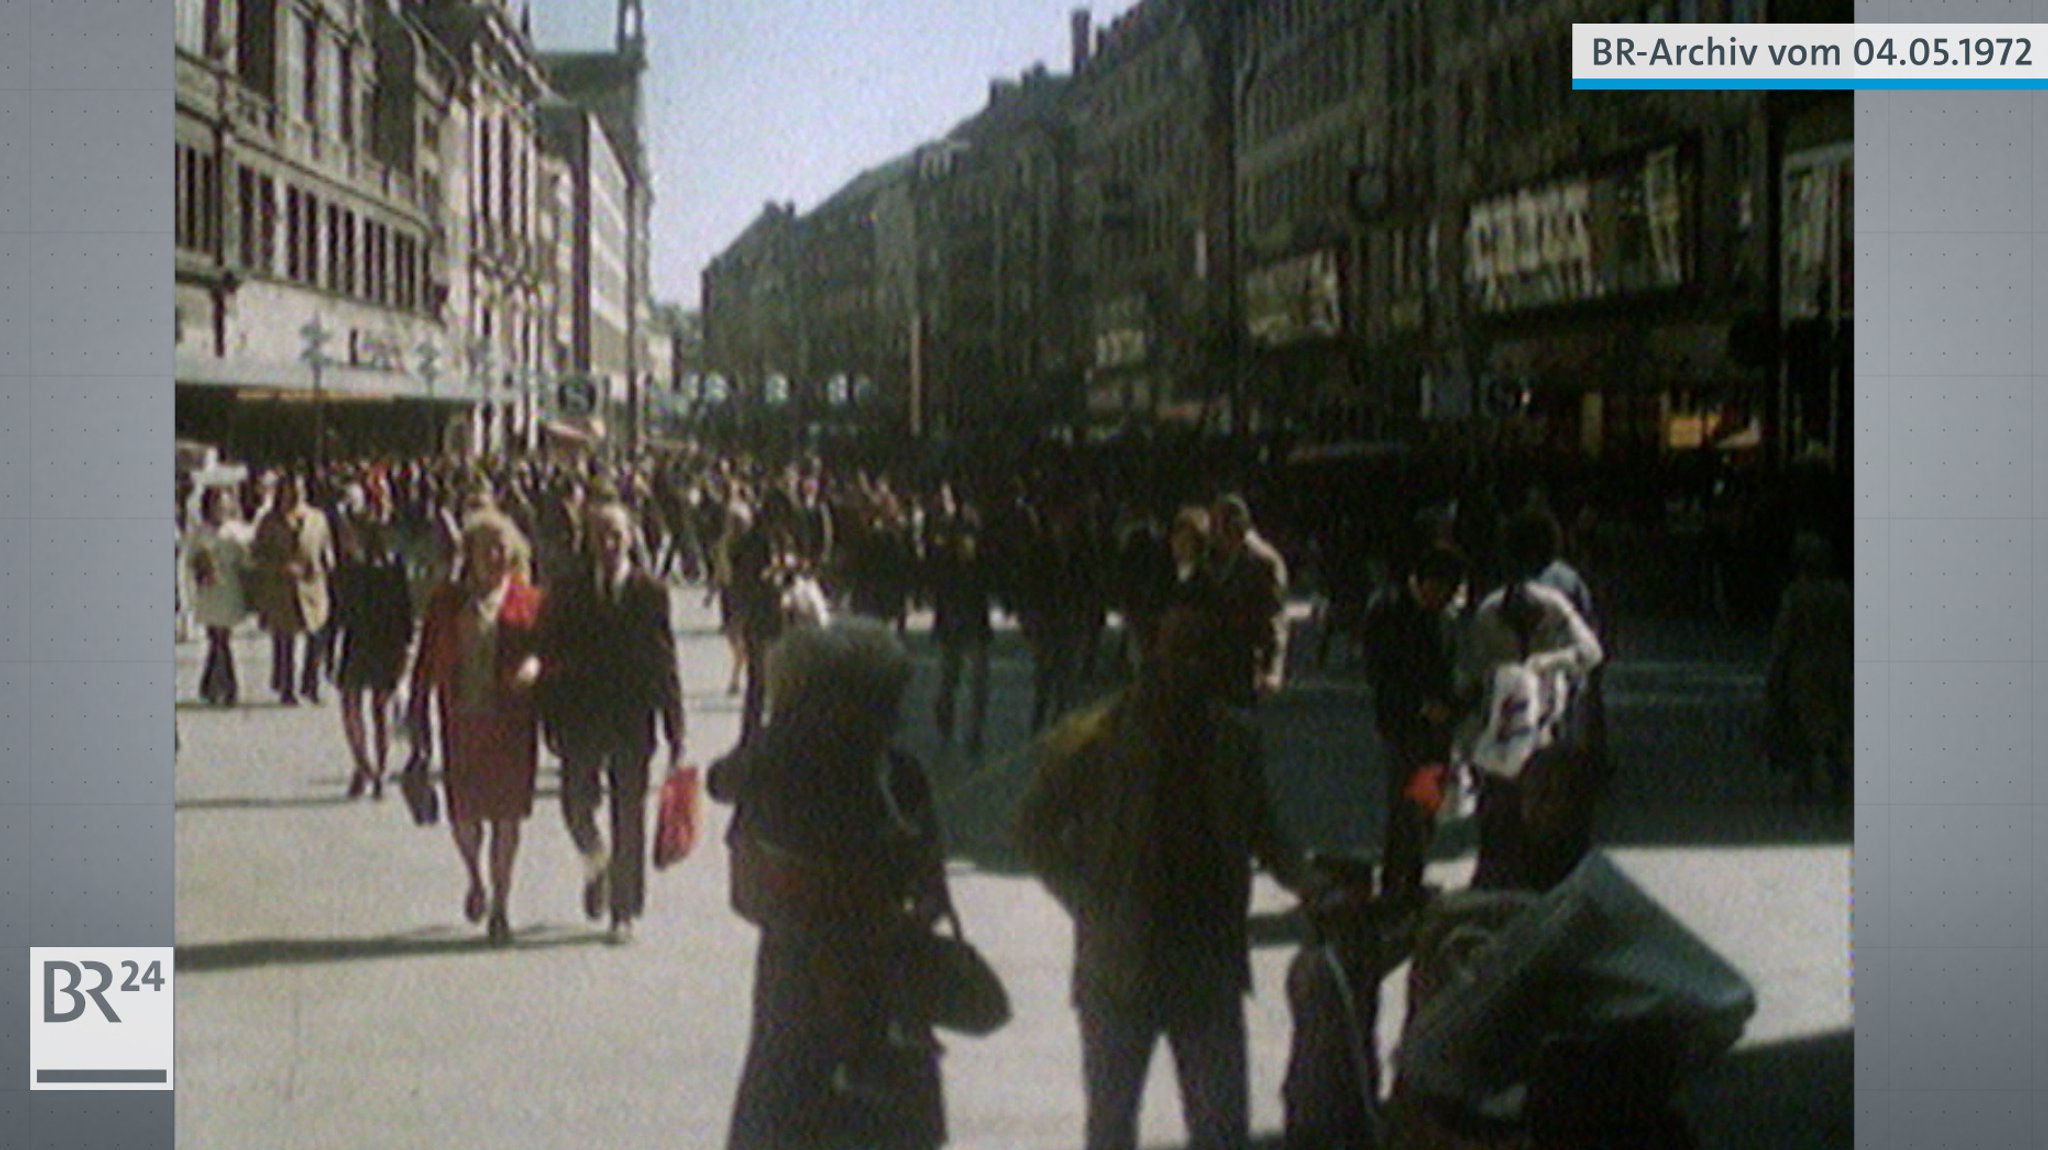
(608, 659)
(1408, 638)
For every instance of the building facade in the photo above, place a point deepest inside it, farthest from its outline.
(608, 85)
(752, 299)
(496, 263)
(597, 300)
(1361, 221)
(307, 205)
(996, 334)
(1146, 247)
(856, 336)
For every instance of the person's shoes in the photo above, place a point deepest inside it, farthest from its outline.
(597, 887)
(287, 700)
(474, 906)
(500, 929)
(621, 931)
(377, 785)
(358, 783)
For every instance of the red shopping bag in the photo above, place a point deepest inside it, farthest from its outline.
(680, 815)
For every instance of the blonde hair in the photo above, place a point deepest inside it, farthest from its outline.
(489, 523)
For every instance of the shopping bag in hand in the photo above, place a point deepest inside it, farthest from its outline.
(680, 815)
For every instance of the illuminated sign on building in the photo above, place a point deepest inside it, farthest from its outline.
(1122, 332)
(1294, 300)
(1584, 238)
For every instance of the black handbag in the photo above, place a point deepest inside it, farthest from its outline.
(948, 983)
(418, 788)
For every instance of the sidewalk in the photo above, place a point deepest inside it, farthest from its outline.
(331, 997)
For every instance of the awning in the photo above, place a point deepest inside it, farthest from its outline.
(260, 379)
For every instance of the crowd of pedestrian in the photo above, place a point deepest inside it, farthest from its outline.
(530, 601)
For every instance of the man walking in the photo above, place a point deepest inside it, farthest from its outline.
(293, 553)
(962, 595)
(1250, 580)
(1143, 819)
(1408, 645)
(608, 672)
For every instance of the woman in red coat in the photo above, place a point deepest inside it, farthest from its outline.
(477, 662)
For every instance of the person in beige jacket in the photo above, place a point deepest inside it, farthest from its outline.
(293, 557)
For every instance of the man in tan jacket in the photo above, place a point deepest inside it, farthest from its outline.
(293, 556)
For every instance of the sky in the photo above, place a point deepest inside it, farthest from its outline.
(752, 101)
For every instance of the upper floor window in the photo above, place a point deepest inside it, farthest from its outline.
(309, 91)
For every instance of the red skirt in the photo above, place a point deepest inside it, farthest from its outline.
(492, 760)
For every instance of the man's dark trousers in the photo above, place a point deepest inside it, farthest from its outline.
(1206, 1033)
(617, 762)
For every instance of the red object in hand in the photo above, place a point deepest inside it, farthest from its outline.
(680, 816)
(1426, 787)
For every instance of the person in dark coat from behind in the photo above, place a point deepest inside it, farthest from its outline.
(846, 825)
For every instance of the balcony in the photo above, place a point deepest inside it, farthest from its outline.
(250, 113)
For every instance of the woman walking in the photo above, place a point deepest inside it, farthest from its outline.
(477, 663)
(835, 1062)
(373, 612)
(216, 555)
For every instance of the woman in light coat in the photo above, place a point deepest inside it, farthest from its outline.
(216, 555)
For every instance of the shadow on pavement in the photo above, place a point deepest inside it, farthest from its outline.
(1786, 1096)
(247, 803)
(339, 798)
(206, 958)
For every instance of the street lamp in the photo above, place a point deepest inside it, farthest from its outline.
(315, 355)
(482, 363)
(430, 369)
(430, 372)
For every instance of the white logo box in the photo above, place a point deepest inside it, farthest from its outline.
(100, 1017)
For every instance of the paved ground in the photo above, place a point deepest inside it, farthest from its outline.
(331, 997)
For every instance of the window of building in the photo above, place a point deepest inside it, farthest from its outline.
(351, 254)
(292, 244)
(507, 216)
(345, 84)
(267, 206)
(181, 196)
(484, 168)
(311, 207)
(245, 207)
(400, 250)
(309, 89)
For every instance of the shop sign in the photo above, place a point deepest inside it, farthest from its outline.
(1818, 234)
(1122, 332)
(1587, 237)
(370, 350)
(1294, 300)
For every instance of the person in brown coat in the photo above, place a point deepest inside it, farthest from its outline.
(1249, 578)
(293, 556)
